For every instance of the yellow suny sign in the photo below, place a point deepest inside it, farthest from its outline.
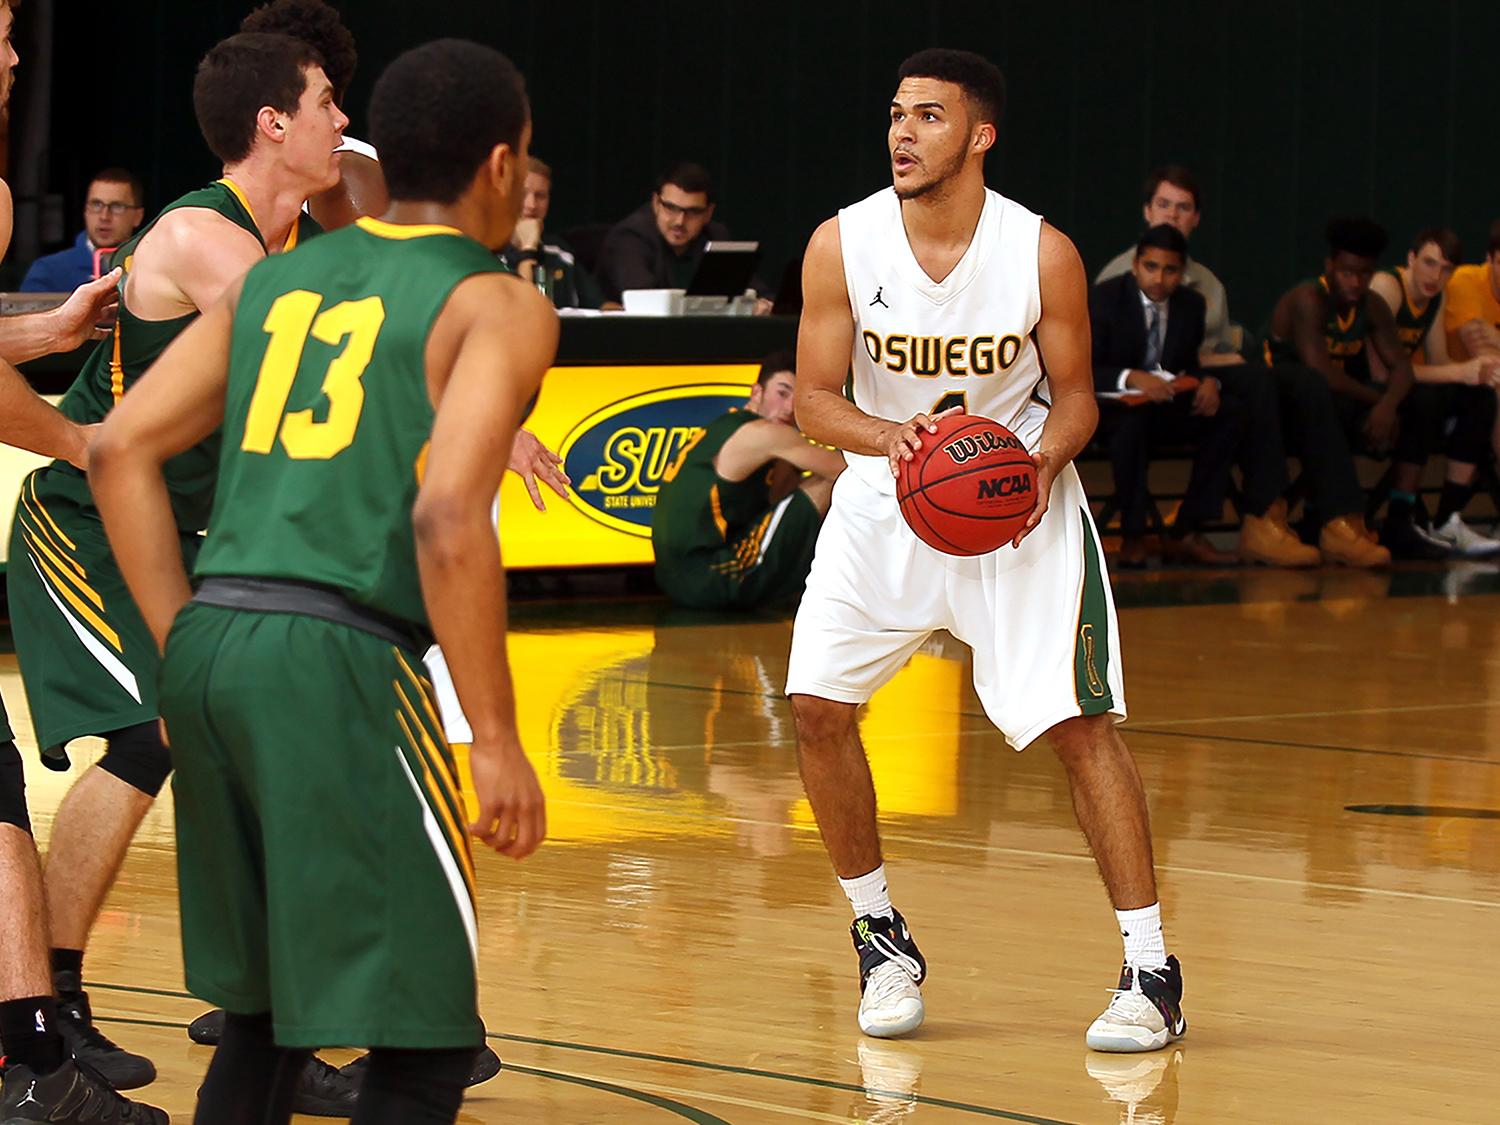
(617, 429)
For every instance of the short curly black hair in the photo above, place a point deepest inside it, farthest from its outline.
(315, 22)
(1364, 238)
(981, 81)
(239, 76)
(438, 112)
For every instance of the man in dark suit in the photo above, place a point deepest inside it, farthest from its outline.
(1148, 332)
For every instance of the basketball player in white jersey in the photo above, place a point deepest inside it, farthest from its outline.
(946, 296)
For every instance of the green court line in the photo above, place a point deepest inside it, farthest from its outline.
(779, 1076)
(646, 1056)
(702, 1117)
(698, 1116)
(1127, 729)
(1206, 737)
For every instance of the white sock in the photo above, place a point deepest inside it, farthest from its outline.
(867, 894)
(1141, 929)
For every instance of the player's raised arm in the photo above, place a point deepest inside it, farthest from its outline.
(497, 337)
(177, 404)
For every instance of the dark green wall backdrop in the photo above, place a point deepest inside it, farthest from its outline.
(1288, 111)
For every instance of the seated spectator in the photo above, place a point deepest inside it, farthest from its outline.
(1172, 197)
(659, 245)
(1330, 325)
(1147, 330)
(1414, 294)
(733, 527)
(112, 211)
(1471, 306)
(531, 254)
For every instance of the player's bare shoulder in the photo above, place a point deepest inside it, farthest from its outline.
(1056, 252)
(1388, 287)
(192, 230)
(499, 310)
(1059, 266)
(502, 298)
(823, 266)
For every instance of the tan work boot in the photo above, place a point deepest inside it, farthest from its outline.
(1345, 540)
(1267, 539)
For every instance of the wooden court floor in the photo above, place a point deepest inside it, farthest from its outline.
(678, 950)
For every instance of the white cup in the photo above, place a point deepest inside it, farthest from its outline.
(653, 302)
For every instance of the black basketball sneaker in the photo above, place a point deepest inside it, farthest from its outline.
(323, 1090)
(486, 1066)
(1145, 1014)
(89, 1045)
(70, 1095)
(890, 969)
(208, 1028)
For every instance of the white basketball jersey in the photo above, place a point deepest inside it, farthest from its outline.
(362, 148)
(919, 341)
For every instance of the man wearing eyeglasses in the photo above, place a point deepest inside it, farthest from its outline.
(658, 245)
(111, 212)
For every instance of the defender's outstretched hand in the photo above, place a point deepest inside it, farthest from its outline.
(530, 460)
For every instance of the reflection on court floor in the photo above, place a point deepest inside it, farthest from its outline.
(678, 950)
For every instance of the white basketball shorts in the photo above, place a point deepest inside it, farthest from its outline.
(1040, 617)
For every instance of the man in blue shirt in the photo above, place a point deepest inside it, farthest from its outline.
(111, 213)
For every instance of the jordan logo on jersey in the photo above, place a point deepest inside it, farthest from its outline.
(930, 356)
(879, 299)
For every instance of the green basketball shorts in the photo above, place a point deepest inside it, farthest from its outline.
(88, 662)
(322, 847)
(768, 565)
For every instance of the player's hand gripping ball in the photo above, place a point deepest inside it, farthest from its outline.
(970, 488)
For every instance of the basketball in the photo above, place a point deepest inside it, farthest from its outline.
(970, 488)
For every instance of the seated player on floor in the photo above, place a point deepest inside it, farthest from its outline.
(733, 527)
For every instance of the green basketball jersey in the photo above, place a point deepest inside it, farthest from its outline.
(1411, 325)
(1343, 335)
(327, 415)
(136, 344)
(696, 508)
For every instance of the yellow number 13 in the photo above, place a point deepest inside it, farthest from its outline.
(292, 319)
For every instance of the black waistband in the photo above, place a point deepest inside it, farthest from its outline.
(277, 595)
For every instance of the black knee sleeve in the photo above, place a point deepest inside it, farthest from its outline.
(138, 757)
(13, 789)
(410, 1087)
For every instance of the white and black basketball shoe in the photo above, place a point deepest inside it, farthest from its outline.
(1145, 1014)
(890, 969)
